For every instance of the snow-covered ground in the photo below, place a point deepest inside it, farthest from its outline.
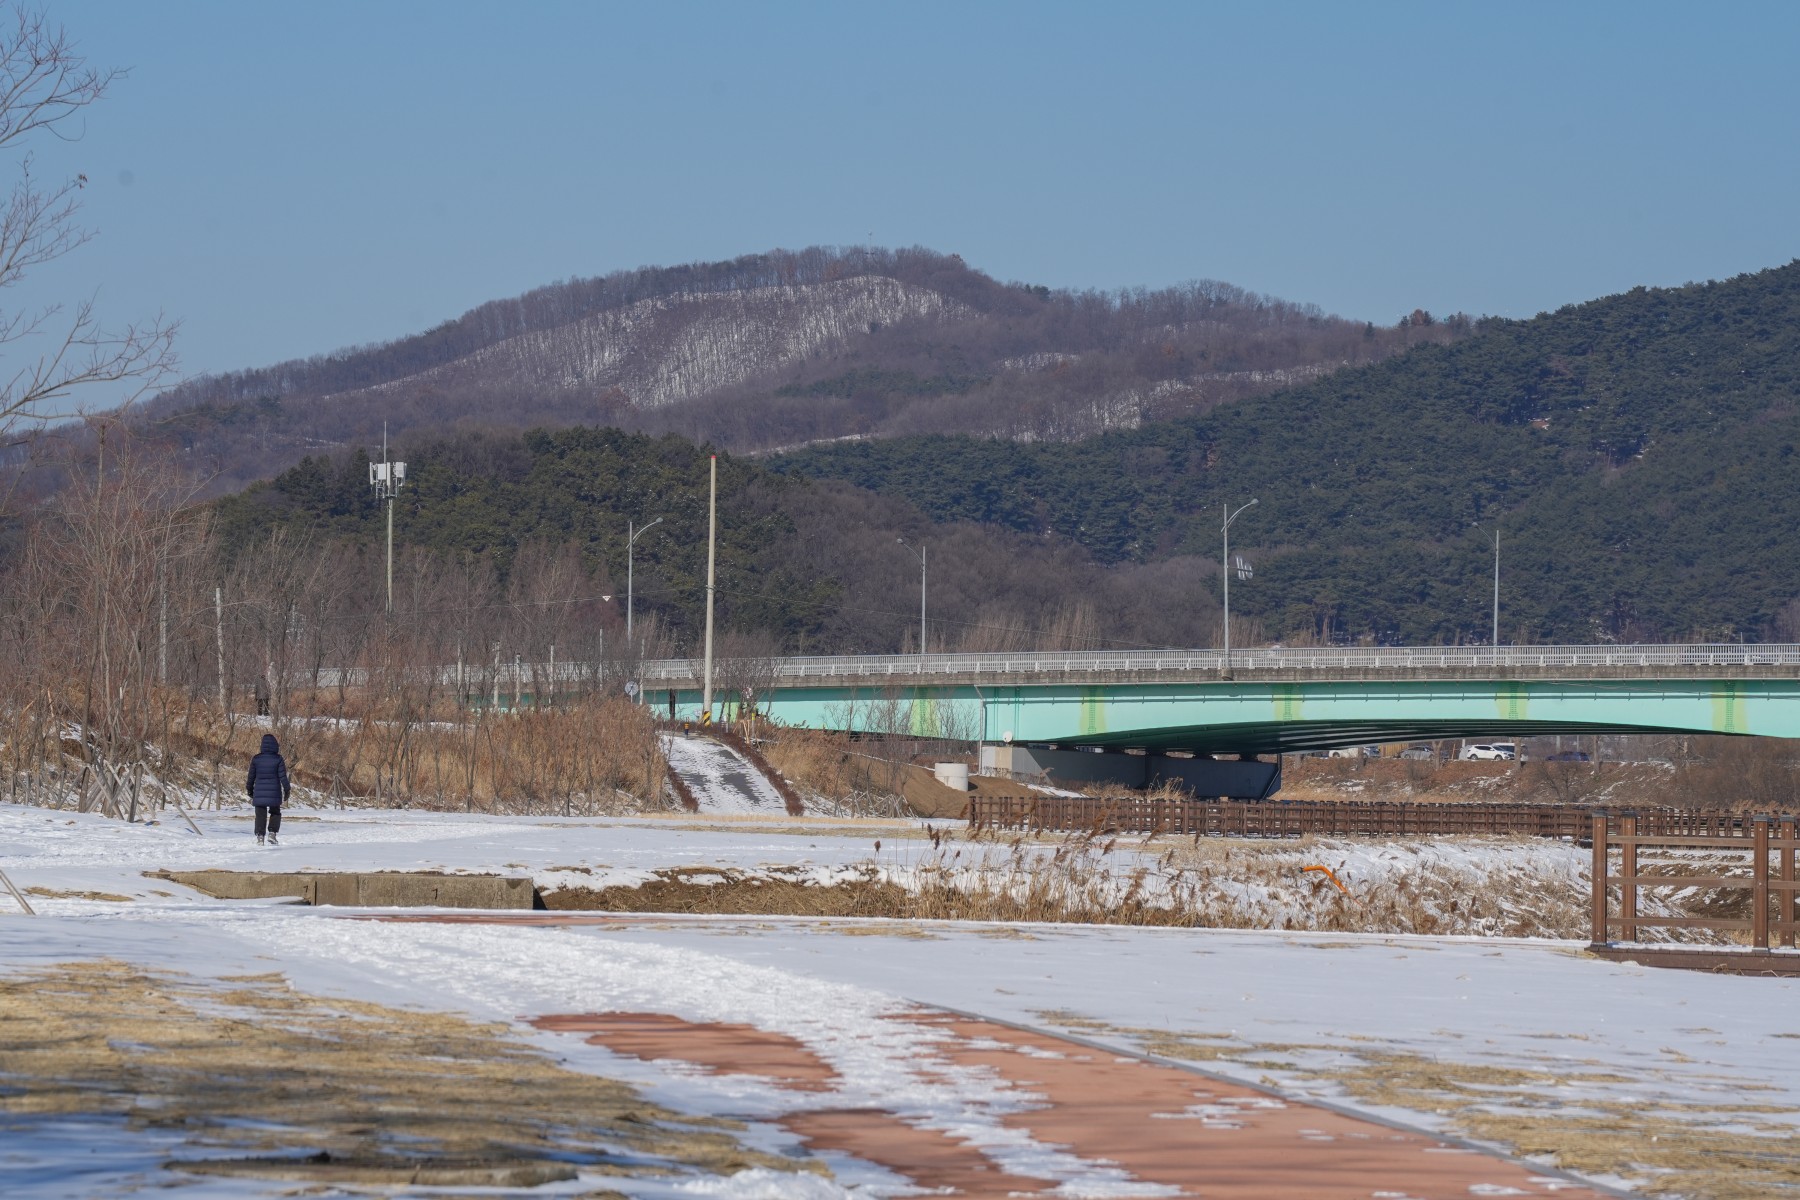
(1289, 1008)
(722, 782)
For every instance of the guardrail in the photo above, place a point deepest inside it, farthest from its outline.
(1273, 818)
(1098, 665)
(1372, 658)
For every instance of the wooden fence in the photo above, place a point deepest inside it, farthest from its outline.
(1754, 854)
(1276, 818)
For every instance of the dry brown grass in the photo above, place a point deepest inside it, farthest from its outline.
(259, 1068)
(713, 890)
(1092, 880)
(589, 757)
(1738, 773)
(56, 894)
(827, 766)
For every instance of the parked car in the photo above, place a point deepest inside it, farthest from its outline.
(1344, 752)
(1567, 756)
(1418, 753)
(1489, 752)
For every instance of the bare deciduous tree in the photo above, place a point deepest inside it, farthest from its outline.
(44, 88)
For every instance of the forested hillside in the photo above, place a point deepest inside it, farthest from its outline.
(782, 349)
(536, 526)
(1637, 454)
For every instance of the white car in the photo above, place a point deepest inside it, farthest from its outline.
(1489, 752)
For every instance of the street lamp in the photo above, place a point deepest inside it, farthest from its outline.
(630, 539)
(387, 478)
(1225, 568)
(920, 551)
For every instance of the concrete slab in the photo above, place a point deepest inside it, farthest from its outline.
(366, 889)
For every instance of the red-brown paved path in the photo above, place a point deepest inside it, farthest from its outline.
(1207, 1137)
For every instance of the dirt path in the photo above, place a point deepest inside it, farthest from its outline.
(1165, 1125)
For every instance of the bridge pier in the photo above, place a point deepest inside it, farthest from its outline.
(1204, 777)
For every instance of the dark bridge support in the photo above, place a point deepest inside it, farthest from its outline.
(1207, 777)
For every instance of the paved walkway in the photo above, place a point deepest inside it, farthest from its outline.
(1165, 1125)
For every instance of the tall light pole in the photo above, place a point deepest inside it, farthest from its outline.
(1225, 567)
(1496, 641)
(712, 540)
(630, 539)
(387, 478)
(920, 551)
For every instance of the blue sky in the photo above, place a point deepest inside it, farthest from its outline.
(291, 179)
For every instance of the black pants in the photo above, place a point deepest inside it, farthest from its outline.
(268, 819)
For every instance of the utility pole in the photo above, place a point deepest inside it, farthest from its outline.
(219, 631)
(712, 543)
(631, 536)
(1496, 593)
(1225, 566)
(921, 553)
(386, 478)
(1495, 642)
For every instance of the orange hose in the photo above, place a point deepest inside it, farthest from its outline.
(1328, 875)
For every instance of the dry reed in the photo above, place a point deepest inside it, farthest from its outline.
(1090, 879)
(588, 757)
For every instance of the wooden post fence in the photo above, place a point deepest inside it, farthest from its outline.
(1770, 843)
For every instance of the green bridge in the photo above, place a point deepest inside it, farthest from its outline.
(1175, 704)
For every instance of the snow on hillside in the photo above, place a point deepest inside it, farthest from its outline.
(662, 350)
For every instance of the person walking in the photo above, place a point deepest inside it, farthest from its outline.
(268, 786)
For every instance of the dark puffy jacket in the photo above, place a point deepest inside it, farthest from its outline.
(267, 782)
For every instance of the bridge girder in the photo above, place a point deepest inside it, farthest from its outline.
(1260, 717)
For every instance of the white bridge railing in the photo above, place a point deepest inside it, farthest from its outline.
(1091, 665)
(1371, 658)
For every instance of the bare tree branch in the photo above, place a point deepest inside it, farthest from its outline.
(44, 88)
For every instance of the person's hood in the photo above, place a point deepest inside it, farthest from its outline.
(270, 745)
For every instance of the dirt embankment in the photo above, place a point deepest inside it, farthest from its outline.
(1743, 773)
(1394, 779)
(842, 772)
(722, 891)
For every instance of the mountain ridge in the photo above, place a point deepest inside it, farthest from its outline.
(781, 349)
(1598, 435)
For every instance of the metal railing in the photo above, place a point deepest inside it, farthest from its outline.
(1097, 666)
(1370, 658)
